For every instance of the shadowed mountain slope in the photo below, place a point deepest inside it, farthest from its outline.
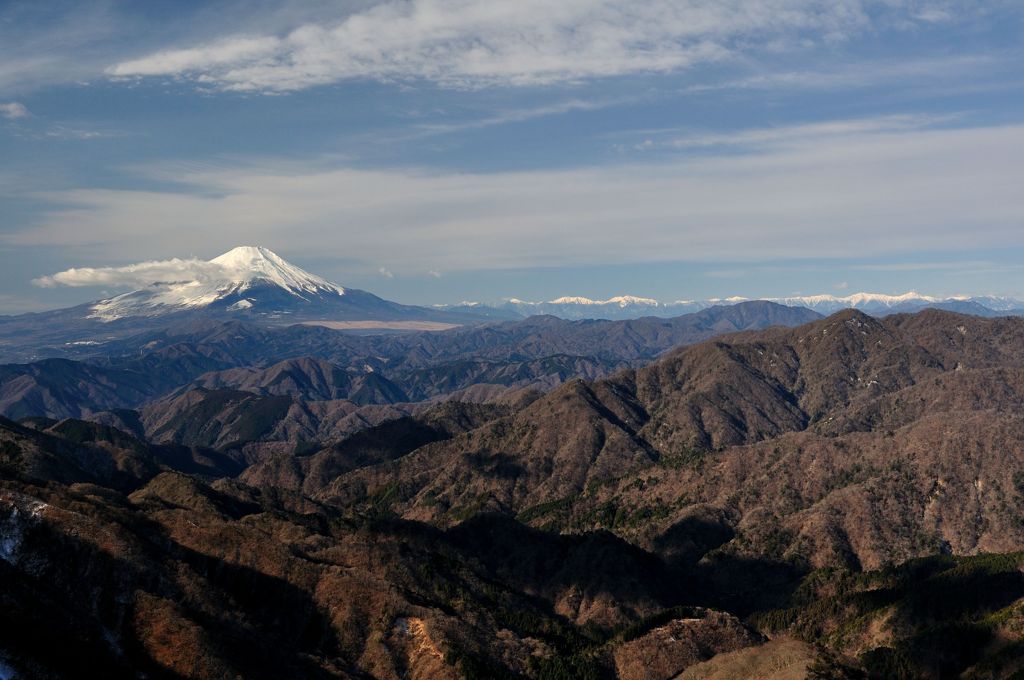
(768, 432)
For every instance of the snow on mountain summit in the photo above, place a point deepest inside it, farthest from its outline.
(620, 300)
(228, 278)
(246, 264)
(617, 307)
(858, 300)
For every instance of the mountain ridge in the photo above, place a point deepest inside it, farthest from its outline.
(847, 382)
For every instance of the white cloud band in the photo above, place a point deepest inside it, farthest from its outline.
(136, 275)
(471, 43)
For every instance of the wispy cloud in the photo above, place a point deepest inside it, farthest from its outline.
(795, 134)
(385, 272)
(914, 72)
(65, 132)
(12, 110)
(954, 265)
(869, 192)
(837, 265)
(475, 43)
(518, 115)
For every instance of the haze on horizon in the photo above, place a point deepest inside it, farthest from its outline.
(433, 151)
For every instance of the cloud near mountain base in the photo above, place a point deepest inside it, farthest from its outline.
(137, 275)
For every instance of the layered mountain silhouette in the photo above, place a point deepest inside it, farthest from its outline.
(315, 363)
(749, 491)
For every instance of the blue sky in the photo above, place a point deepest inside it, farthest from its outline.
(443, 150)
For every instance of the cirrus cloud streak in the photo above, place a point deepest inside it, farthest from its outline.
(474, 43)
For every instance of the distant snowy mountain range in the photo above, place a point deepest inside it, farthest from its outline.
(630, 306)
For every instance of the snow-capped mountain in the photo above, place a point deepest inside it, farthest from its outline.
(241, 280)
(863, 301)
(881, 304)
(253, 283)
(618, 307)
(621, 301)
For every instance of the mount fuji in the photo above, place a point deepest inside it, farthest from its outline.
(254, 283)
(248, 283)
(247, 280)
